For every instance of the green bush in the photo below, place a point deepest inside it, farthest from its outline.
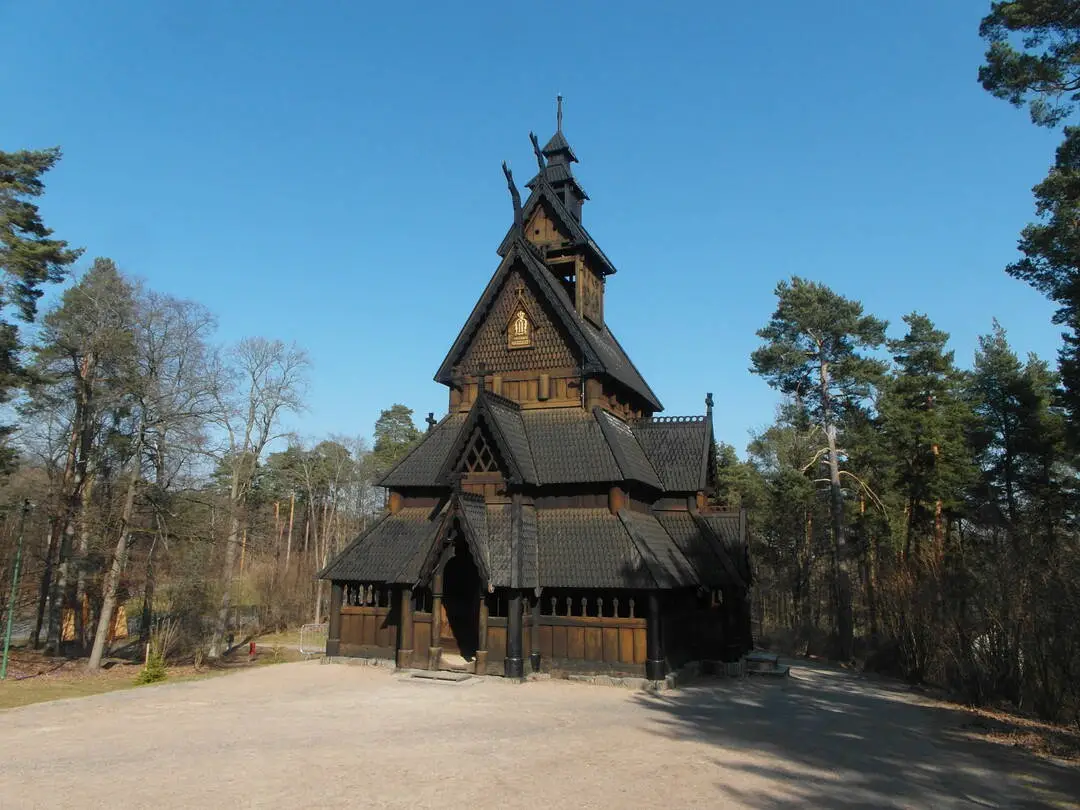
(154, 670)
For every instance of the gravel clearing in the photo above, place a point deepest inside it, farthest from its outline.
(311, 735)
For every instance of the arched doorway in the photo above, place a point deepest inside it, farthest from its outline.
(461, 604)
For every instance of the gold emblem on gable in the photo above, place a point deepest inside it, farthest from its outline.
(519, 334)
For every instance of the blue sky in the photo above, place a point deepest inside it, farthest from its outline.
(328, 172)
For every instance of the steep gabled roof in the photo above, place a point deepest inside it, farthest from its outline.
(543, 193)
(500, 418)
(599, 350)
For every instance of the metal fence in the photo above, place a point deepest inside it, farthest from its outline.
(313, 639)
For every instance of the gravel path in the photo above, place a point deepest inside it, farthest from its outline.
(309, 735)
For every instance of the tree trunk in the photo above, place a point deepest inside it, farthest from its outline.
(232, 545)
(288, 538)
(148, 596)
(51, 548)
(112, 579)
(84, 552)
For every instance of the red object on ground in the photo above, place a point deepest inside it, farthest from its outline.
(251, 650)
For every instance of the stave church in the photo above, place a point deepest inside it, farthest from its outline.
(552, 521)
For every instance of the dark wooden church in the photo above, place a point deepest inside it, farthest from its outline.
(550, 521)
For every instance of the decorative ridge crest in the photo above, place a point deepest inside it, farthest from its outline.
(668, 420)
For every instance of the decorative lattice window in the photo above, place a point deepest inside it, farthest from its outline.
(478, 456)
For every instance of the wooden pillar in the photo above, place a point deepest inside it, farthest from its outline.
(405, 628)
(435, 651)
(481, 644)
(513, 664)
(534, 635)
(333, 636)
(655, 666)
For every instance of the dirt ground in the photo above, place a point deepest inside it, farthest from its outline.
(313, 735)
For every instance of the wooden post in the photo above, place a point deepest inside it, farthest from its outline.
(513, 664)
(405, 628)
(655, 666)
(534, 635)
(435, 651)
(481, 644)
(333, 636)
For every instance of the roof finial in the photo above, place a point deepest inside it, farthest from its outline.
(558, 119)
(708, 404)
(541, 161)
(519, 225)
(431, 421)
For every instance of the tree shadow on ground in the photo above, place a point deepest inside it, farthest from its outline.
(828, 738)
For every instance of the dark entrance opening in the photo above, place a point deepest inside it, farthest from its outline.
(461, 603)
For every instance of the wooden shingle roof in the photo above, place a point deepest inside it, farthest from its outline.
(554, 548)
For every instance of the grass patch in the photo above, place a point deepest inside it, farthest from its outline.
(33, 678)
(284, 637)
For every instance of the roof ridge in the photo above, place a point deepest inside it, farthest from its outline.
(633, 366)
(499, 398)
(423, 438)
(616, 450)
(718, 548)
(645, 554)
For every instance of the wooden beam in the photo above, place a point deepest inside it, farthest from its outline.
(405, 638)
(333, 636)
(534, 635)
(435, 651)
(513, 664)
(616, 499)
(655, 666)
(481, 645)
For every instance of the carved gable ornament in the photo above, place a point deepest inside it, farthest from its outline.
(519, 331)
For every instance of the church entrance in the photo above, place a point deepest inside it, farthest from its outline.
(460, 631)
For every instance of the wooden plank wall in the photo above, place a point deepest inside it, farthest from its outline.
(596, 640)
(368, 631)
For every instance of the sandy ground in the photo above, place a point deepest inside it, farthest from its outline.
(312, 735)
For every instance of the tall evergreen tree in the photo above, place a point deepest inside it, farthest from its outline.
(925, 423)
(395, 435)
(812, 352)
(29, 257)
(1044, 74)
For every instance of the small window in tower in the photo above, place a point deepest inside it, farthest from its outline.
(519, 333)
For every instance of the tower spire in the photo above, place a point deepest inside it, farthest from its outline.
(558, 114)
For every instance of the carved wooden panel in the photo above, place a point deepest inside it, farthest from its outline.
(590, 295)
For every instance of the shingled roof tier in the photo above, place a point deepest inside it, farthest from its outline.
(559, 548)
(565, 446)
(392, 550)
(600, 352)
